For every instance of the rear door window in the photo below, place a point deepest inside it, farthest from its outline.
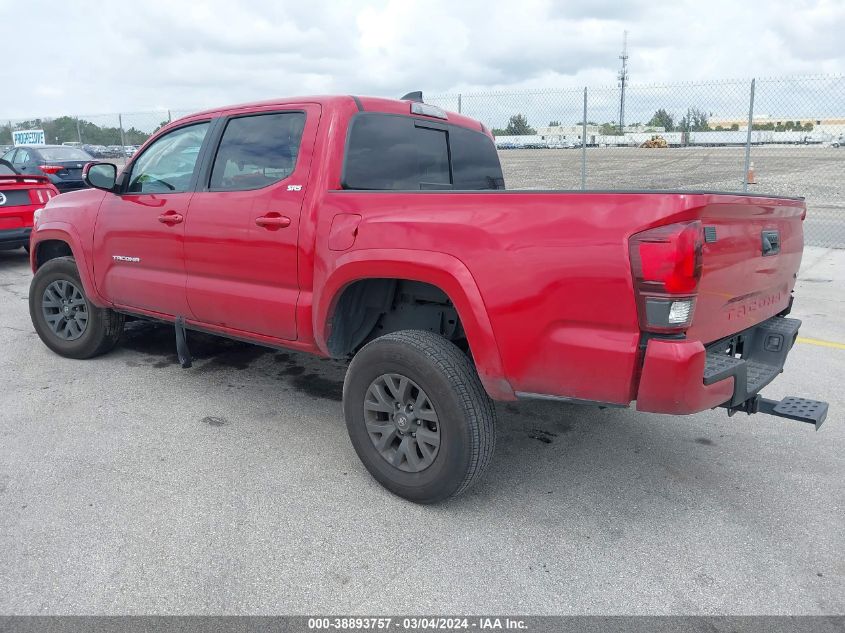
(390, 152)
(21, 158)
(257, 151)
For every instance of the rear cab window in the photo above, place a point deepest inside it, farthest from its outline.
(397, 152)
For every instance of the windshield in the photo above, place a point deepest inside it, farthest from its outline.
(63, 153)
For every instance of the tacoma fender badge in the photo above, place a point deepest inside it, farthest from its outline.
(124, 258)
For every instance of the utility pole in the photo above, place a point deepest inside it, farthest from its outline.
(122, 139)
(623, 79)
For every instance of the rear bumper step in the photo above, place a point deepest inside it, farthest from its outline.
(764, 350)
(793, 408)
(754, 358)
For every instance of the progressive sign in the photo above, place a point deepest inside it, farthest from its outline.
(29, 137)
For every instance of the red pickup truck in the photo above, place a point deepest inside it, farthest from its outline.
(379, 230)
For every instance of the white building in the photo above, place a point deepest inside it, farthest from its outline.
(566, 133)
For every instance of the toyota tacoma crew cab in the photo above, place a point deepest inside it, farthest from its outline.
(380, 231)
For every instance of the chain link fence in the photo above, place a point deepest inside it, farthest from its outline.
(783, 136)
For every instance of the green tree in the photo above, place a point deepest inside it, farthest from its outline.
(609, 129)
(67, 129)
(662, 119)
(696, 120)
(554, 123)
(518, 126)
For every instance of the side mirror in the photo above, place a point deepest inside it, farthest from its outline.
(100, 175)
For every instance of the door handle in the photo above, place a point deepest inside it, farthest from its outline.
(273, 221)
(171, 217)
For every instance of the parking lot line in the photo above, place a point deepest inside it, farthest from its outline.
(821, 343)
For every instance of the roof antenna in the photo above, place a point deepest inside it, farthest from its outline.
(413, 96)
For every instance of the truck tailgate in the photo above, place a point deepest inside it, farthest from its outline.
(750, 261)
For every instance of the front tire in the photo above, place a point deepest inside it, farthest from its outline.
(418, 416)
(64, 318)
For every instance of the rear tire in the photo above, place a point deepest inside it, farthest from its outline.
(390, 375)
(64, 318)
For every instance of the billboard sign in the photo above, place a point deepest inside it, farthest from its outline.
(28, 137)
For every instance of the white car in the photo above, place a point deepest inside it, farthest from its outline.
(840, 142)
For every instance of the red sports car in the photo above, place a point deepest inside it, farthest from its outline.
(20, 196)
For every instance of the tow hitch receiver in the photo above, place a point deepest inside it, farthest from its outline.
(794, 408)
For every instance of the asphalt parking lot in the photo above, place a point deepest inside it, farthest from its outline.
(130, 485)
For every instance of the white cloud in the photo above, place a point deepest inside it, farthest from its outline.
(122, 56)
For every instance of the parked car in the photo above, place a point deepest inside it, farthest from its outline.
(97, 151)
(61, 164)
(375, 229)
(20, 196)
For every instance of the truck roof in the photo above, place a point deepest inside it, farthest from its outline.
(363, 104)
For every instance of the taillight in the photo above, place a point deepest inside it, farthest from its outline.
(51, 169)
(40, 196)
(666, 264)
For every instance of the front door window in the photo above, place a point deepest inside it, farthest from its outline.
(167, 166)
